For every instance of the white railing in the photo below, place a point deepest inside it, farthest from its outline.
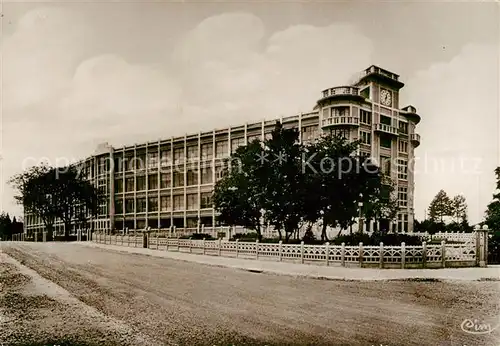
(403, 256)
(450, 236)
(386, 128)
(341, 120)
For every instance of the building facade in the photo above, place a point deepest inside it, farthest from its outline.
(169, 182)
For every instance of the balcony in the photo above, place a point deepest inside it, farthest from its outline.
(386, 129)
(340, 121)
(381, 75)
(410, 113)
(415, 139)
(344, 92)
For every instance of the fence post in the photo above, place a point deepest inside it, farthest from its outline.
(443, 253)
(381, 264)
(327, 249)
(361, 255)
(257, 249)
(219, 250)
(403, 255)
(424, 254)
(128, 239)
(36, 237)
(342, 255)
(237, 243)
(157, 241)
(302, 252)
(281, 250)
(203, 245)
(190, 245)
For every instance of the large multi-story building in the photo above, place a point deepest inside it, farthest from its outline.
(169, 182)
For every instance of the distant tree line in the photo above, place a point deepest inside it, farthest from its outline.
(9, 227)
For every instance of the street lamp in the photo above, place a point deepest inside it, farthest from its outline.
(360, 205)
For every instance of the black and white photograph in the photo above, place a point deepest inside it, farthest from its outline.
(239, 173)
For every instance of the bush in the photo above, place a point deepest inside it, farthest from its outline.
(198, 236)
(246, 236)
(375, 239)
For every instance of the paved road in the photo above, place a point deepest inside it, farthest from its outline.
(174, 302)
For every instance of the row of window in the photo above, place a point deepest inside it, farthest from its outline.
(164, 203)
(167, 180)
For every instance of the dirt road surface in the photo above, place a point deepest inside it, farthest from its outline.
(121, 299)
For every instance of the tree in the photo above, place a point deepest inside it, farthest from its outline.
(459, 209)
(55, 193)
(440, 206)
(238, 197)
(382, 205)
(492, 215)
(328, 174)
(284, 186)
(35, 195)
(6, 229)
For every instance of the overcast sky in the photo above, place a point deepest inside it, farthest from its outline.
(78, 74)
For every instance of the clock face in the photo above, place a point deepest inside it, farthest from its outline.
(385, 97)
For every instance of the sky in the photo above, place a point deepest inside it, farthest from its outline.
(77, 74)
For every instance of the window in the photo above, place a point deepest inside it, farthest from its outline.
(119, 206)
(402, 169)
(153, 204)
(178, 202)
(129, 184)
(403, 127)
(153, 182)
(178, 179)
(192, 152)
(366, 117)
(403, 196)
(192, 201)
(166, 180)
(344, 133)
(207, 151)
(385, 141)
(366, 137)
(140, 162)
(165, 203)
(152, 160)
(309, 133)
(403, 146)
(118, 164)
(221, 149)
(118, 185)
(236, 143)
(129, 163)
(141, 183)
(166, 157)
(340, 112)
(141, 205)
(385, 165)
(178, 155)
(268, 136)
(192, 177)
(385, 120)
(129, 206)
(206, 175)
(220, 172)
(252, 138)
(365, 93)
(206, 200)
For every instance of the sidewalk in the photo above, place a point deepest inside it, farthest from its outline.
(317, 272)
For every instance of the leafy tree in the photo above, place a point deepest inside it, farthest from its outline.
(35, 195)
(382, 205)
(6, 229)
(284, 186)
(238, 197)
(440, 206)
(459, 209)
(492, 215)
(52, 193)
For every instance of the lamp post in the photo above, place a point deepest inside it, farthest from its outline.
(360, 205)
